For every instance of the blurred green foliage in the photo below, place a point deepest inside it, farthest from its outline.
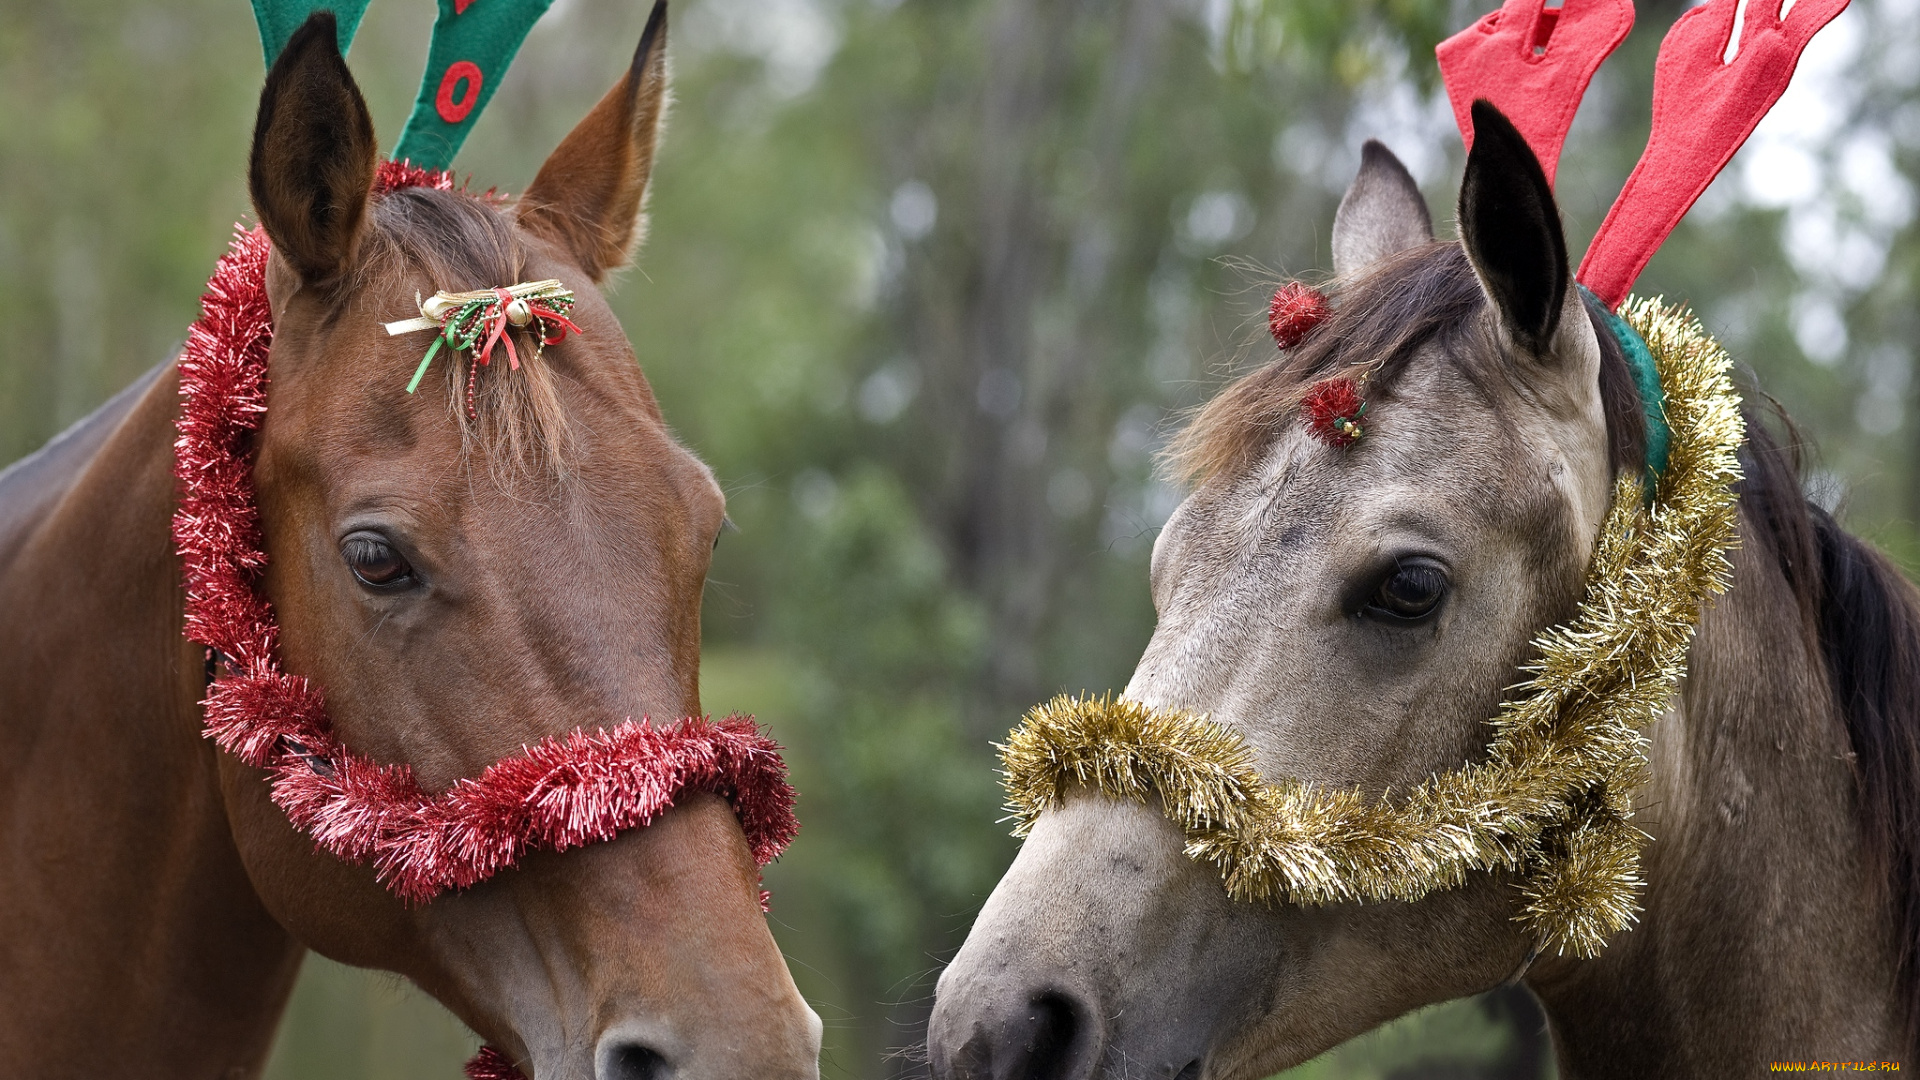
(928, 283)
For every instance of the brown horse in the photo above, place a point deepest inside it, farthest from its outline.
(1356, 616)
(459, 587)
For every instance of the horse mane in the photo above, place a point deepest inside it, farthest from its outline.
(1865, 616)
(1855, 604)
(463, 241)
(1870, 636)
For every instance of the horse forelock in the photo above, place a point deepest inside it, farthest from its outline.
(460, 241)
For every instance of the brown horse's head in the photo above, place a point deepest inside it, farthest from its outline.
(461, 584)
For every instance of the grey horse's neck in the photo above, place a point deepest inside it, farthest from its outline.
(1767, 924)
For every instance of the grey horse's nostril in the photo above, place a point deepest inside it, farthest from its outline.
(1045, 1042)
(1191, 1072)
(632, 1061)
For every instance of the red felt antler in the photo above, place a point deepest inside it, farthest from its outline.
(1704, 107)
(1533, 62)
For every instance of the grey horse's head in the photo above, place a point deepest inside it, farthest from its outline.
(1356, 614)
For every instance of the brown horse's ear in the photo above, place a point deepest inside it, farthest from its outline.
(311, 173)
(1382, 214)
(588, 195)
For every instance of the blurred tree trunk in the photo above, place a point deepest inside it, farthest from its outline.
(1026, 386)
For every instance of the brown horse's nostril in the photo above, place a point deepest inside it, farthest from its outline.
(632, 1061)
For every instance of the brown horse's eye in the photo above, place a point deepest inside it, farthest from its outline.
(374, 561)
(1411, 592)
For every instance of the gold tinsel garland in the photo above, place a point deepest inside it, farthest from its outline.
(1554, 798)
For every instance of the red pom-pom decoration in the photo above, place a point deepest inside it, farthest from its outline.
(1333, 408)
(1296, 310)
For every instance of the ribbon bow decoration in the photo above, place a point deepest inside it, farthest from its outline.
(474, 322)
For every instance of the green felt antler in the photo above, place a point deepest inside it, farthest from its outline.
(473, 42)
(278, 19)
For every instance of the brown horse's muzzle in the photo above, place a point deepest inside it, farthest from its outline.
(642, 958)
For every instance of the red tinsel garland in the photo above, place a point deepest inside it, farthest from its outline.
(394, 175)
(491, 1064)
(561, 793)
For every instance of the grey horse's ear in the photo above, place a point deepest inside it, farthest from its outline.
(1511, 229)
(1382, 214)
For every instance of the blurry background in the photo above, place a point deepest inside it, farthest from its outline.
(929, 283)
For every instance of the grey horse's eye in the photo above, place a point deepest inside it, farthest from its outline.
(1410, 592)
(374, 561)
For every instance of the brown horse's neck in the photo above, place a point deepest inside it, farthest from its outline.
(131, 941)
(1767, 933)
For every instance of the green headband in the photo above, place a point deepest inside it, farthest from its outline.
(278, 19)
(1646, 376)
(473, 43)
